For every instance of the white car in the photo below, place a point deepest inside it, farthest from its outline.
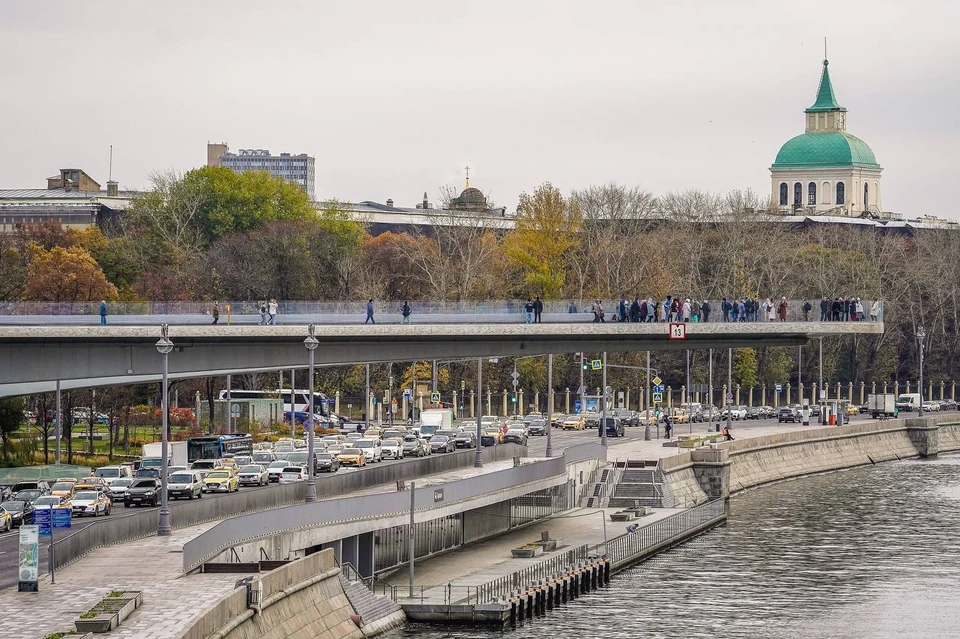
(118, 488)
(736, 412)
(931, 406)
(392, 449)
(293, 474)
(90, 502)
(372, 449)
(254, 475)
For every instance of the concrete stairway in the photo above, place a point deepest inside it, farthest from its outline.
(638, 486)
(600, 489)
(369, 606)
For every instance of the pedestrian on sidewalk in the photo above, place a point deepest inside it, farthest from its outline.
(405, 311)
(370, 313)
(103, 312)
(216, 312)
(667, 426)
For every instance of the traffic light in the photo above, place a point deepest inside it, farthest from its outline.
(513, 398)
(391, 381)
(585, 366)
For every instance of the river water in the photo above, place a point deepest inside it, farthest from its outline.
(867, 552)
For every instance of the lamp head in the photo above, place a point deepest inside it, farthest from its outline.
(311, 342)
(164, 345)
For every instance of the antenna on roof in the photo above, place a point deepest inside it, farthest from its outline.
(825, 47)
(110, 176)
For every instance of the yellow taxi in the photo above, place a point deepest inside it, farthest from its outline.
(6, 522)
(221, 481)
(497, 434)
(853, 409)
(64, 488)
(680, 416)
(90, 502)
(230, 464)
(351, 456)
(573, 422)
(52, 501)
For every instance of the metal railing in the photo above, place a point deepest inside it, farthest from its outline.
(643, 540)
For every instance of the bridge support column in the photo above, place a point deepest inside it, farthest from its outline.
(365, 550)
(350, 550)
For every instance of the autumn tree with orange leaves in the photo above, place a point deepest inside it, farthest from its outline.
(66, 274)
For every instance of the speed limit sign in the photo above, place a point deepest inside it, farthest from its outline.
(678, 330)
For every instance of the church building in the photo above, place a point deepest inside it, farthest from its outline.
(827, 171)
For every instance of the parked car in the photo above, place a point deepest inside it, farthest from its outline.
(21, 512)
(253, 475)
(327, 463)
(392, 448)
(574, 422)
(442, 444)
(736, 412)
(466, 439)
(293, 474)
(90, 502)
(352, 456)
(274, 469)
(515, 436)
(614, 427)
(755, 412)
(787, 414)
(221, 481)
(144, 490)
(372, 448)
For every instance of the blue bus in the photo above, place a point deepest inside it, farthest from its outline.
(219, 446)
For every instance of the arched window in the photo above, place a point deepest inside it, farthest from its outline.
(840, 193)
(866, 195)
(812, 194)
(825, 193)
(783, 194)
(798, 194)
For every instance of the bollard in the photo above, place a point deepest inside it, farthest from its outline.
(606, 573)
(550, 596)
(513, 613)
(520, 608)
(529, 605)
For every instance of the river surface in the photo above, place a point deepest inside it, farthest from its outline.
(867, 552)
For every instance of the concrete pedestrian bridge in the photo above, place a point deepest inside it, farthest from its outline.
(33, 358)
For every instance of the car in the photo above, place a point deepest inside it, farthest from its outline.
(327, 463)
(515, 436)
(30, 495)
(204, 466)
(787, 414)
(63, 488)
(41, 486)
(352, 456)
(143, 490)
(243, 460)
(815, 410)
(391, 433)
(591, 419)
(614, 428)
(90, 483)
(274, 469)
(442, 444)
(489, 422)
(931, 406)
(557, 418)
(52, 501)
(537, 426)
(253, 475)
(281, 451)
(755, 412)
(150, 473)
(573, 422)
(948, 404)
(263, 457)
(627, 417)
(229, 464)
(186, 483)
(680, 416)
(21, 512)
(297, 458)
(372, 448)
(113, 473)
(118, 488)
(412, 446)
(221, 481)
(90, 502)
(6, 521)
(176, 469)
(466, 439)
(392, 448)
(736, 412)
(293, 474)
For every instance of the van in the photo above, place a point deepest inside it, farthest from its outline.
(185, 483)
(111, 473)
(908, 402)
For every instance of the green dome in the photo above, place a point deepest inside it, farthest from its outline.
(826, 149)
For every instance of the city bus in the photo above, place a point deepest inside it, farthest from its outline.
(301, 399)
(218, 446)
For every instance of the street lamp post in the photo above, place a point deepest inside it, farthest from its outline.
(603, 416)
(478, 457)
(311, 343)
(729, 398)
(821, 389)
(549, 451)
(921, 334)
(164, 346)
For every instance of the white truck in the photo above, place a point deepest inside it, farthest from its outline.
(882, 405)
(908, 402)
(434, 419)
(176, 453)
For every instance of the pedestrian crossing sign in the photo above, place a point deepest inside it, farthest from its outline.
(434, 398)
(596, 364)
(657, 398)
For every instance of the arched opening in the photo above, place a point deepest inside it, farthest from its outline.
(825, 193)
(812, 194)
(798, 194)
(840, 193)
(783, 194)
(866, 195)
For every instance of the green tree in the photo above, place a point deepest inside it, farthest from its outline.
(745, 367)
(11, 416)
(540, 244)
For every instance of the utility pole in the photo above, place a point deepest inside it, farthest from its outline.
(549, 451)
(820, 391)
(583, 389)
(729, 397)
(710, 389)
(606, 394)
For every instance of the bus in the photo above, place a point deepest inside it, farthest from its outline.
(218, 446)
(301, 399)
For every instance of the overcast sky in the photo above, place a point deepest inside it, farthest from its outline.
(395, 98)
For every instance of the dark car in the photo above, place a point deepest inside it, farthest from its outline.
(537, 427)
(627, 417)
(29, 495)
(591, 419)
(465, 440)
(21, 512)
(787, 414)
(948, 404)
(614, 428)
(144, 490)
(488, 439)
(42, 486)
(148, 473)
(442, 444)
(515, 436)
(755, 413)
(327, 463)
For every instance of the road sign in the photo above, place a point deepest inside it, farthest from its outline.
(576, 406)
(61, 517)
(657, 381)
(657, 398)
(596, 364)
(729, 395)
(659, 388)
(406, 392)
(515, 383)
(42, 518)
(434, 398)
(235, 410)
(678, 330)
(515, 375)
(779, 388)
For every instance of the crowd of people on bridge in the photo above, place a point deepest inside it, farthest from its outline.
(746, 309)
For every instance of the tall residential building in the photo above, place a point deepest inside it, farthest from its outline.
(298, 169)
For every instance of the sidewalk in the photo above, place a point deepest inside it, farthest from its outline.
(152, 564)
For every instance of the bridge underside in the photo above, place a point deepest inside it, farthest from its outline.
(34, 358)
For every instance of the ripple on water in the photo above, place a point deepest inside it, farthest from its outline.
(867, 552)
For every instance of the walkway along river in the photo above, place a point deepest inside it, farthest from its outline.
(872, 551)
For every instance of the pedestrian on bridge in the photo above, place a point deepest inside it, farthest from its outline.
(272, 309)
(370, 313)
(103, 312)
(216, 313)
(405, 311)
(537, 310)
(263, 313)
